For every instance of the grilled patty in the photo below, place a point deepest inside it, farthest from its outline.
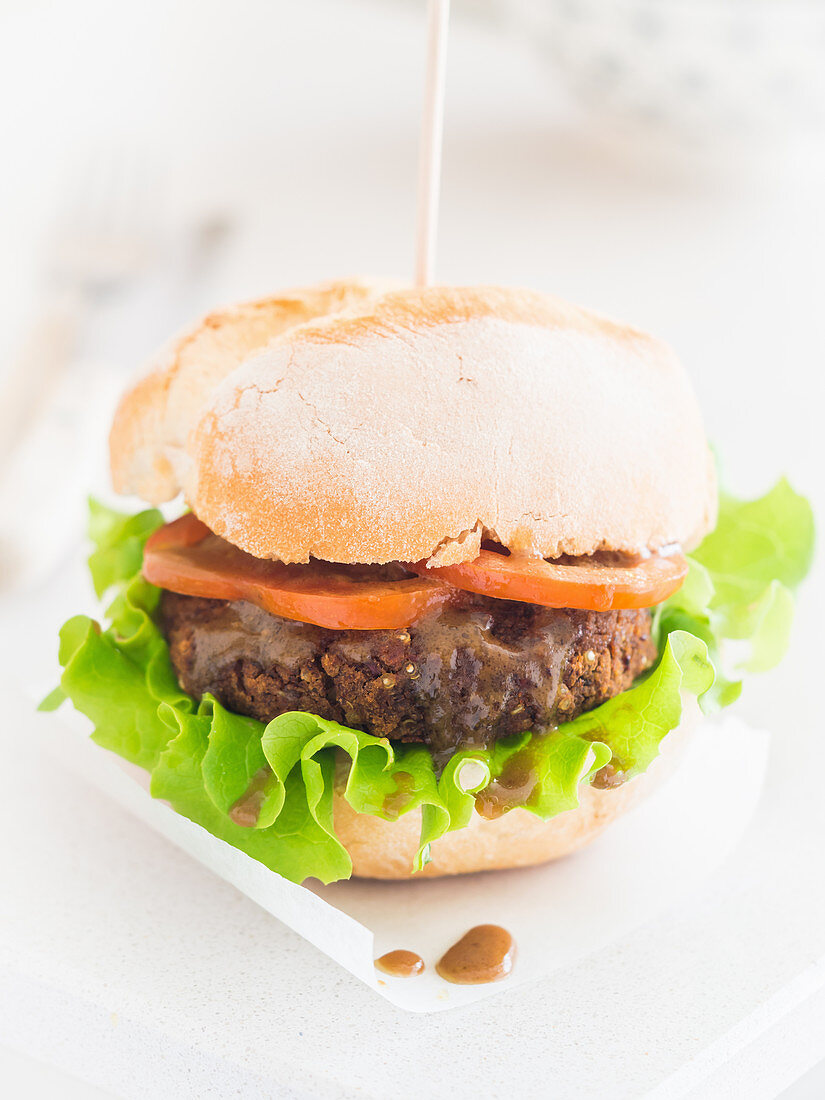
(470, 673)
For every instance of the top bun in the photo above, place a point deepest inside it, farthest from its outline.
(354, 424)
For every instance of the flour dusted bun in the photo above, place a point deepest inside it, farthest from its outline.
(152, 424)
(351, 425)
(386, 849)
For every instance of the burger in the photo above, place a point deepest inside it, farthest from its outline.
(449, 570)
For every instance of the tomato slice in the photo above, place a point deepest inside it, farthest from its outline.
(184, 531)
(186, 557)
(586, 583)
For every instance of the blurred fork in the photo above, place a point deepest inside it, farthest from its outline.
(104, 236)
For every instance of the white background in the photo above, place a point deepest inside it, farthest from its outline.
(297, 124)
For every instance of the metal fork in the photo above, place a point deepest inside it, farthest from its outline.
(104, 236)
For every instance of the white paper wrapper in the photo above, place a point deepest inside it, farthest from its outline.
(558, 913)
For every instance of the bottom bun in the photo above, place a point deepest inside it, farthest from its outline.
(386, 849)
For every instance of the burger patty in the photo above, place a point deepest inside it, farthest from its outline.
(470, 673)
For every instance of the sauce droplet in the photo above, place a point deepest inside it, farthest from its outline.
(484, 954)
(400, 964)
(247, 809)
(512, 788)
(396, 803)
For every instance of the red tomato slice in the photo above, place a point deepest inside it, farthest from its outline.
(185, 531)
(586, 583)
(186, 557)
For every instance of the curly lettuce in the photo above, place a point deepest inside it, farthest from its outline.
(267, 789)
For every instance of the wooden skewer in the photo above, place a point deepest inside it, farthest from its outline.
(432, 128)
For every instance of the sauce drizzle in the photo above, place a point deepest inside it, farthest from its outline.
(484, 954)
(472, 672)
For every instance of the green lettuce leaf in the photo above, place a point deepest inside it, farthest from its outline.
(119, 540)
(754, 543)
(634, 723)
(268, 789)
(739, 587)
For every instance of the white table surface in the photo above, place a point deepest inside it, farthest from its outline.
(299, 121)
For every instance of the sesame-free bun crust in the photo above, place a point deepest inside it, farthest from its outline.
(355, 425)
(152, 424)
(386, 849)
